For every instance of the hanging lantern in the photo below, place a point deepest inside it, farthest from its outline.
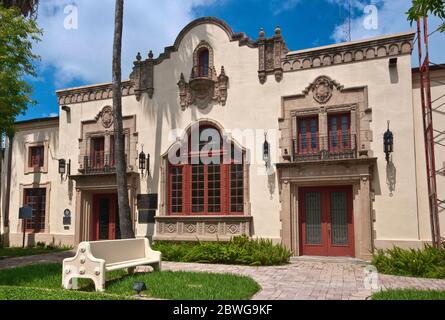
(266, 150)
(388, 142)
(142, 161)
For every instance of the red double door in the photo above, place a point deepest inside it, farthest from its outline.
(326, 221)
(105, 217)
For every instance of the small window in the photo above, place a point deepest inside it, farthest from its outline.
(36, 158)
(203, 66)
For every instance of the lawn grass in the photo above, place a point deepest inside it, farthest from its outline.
(23, 293)
(409, 294)
(163, 285)
(11, 252)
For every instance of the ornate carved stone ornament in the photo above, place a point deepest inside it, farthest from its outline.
(322, 89)
(205, 86)
(271, 52)
(106, 116)
(142, 76)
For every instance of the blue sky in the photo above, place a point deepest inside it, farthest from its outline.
(81, 56)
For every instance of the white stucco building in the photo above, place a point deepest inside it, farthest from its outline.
(328, 188)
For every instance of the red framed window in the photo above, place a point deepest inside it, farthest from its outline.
(202, 188)
(36, 158)
(308, 135)
(36, 199)
(339, 127)
(97, 152)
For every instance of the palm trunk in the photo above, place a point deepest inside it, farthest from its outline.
(126, 225)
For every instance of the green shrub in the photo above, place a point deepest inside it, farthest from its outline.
(239, 251)
(426, 263)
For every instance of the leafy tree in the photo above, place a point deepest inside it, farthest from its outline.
(28, 8)
(17, 35)
(126, 225)
(424, 8)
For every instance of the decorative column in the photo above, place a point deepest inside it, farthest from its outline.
(286, 210)
(323, 128)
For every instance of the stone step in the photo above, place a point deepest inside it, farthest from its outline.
(330, 260)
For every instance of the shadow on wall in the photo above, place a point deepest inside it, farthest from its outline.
(394, 75)
(271, 183)
(391, 177)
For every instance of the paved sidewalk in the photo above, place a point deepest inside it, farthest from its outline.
(300, 280)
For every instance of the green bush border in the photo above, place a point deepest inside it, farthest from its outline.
(238, 251)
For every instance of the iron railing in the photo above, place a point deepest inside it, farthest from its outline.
(314, 147)
(201, 72)
(100, 163)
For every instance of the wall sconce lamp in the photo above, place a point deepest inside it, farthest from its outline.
(266, 151)
(144, 162)
(388, 142)
(64, 168)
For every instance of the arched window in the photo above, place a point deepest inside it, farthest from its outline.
(203, 63)
(209, 180)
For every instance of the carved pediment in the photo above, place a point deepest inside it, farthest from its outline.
(106, 117)
(322, 89)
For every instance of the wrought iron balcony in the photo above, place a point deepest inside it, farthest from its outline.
(314, 147)
(100, 163)
(202, 72)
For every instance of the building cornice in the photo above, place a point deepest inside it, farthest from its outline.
(357, 51)
(36, 124)
(92, 93)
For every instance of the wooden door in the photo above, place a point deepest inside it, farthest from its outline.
(105, 217)
(326, 221)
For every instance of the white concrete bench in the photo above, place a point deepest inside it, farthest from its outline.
(94, 259)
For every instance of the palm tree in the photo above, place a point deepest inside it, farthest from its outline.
(126, 225)
(28, 8)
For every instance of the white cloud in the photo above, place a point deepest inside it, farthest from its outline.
(50, 115)
(391, 19)
(279, 6)
(85, 54)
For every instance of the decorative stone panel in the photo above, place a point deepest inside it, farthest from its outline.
(206, 228)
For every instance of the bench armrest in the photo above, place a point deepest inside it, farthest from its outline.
(150, 253)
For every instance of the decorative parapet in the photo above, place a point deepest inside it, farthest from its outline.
(271, 52)
(357, 51)
(142, 76)
(210, 228)
(92, 93)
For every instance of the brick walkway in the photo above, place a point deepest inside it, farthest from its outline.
(312, 280)
(301, 280)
